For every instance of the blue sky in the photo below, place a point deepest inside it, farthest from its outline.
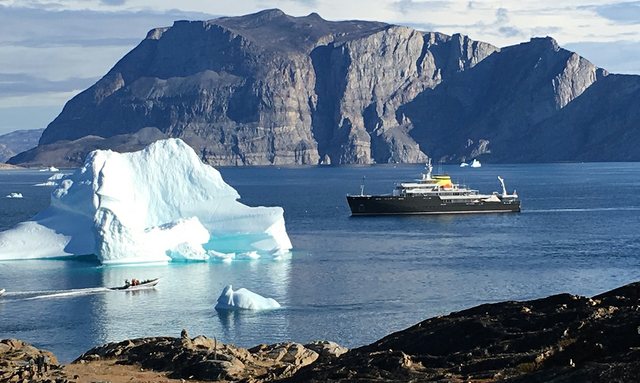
(51, 50)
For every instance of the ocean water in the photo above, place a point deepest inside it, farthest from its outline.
(352, 280)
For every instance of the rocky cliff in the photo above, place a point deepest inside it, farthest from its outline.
(269, 88)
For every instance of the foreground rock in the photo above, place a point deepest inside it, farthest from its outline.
(562, 338)
(204, 358)
(21, 362)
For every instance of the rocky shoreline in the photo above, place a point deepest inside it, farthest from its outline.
(561, 338)
(4, 166)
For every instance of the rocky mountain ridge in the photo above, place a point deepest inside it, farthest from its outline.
(269, 88)
(18, 141)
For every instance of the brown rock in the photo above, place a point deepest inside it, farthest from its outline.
(204, 358)
(326, 349)
(20, 361)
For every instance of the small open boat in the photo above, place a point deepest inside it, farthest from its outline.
(147, 284)
(2, 291)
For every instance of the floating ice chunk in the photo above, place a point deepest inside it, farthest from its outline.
(54, 180)
(464, 164)
(244, 299)
(224, 257)
(476, 163)
(50, 169)
(249, 255)
(282, 255)
(14, 195)
(155, 205)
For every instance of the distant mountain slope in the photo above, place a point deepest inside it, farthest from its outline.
(499, 107)
(18, 141)
(601, 125)
(269, 88)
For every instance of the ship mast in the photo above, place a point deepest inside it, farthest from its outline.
(504, 189)
(429, 170)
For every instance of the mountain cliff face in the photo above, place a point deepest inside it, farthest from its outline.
(498, 107)
(269, 88)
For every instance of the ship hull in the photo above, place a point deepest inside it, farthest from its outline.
(398, 205)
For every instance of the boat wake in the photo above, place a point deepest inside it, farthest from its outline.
(52, 294)
(578, 210)
(49, 294)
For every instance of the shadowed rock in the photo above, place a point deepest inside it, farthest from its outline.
(562, 338)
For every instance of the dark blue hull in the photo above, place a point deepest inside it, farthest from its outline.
(392, 205)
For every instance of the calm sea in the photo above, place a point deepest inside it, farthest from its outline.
(351, 280)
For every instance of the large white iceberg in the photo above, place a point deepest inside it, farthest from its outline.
(156, 205)
(244, 299)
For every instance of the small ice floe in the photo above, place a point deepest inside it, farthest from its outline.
(476, 164)
(249, 255)
(50, 169)
(464, 164)
(244, 299)
(54, 180)
(14, 195)
(218, 256)
(282, 255)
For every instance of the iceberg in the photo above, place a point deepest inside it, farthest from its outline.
(54, 180)
(223, 257)
(14, 195)
(50, 169)
(244, 299)
(159, 204)
(476, 164)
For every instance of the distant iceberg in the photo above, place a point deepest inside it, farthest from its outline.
(54, 180)
(464, 164)
(14, 195)
(476, 164)
(156, 205)
(50, 169)
(244, 299)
